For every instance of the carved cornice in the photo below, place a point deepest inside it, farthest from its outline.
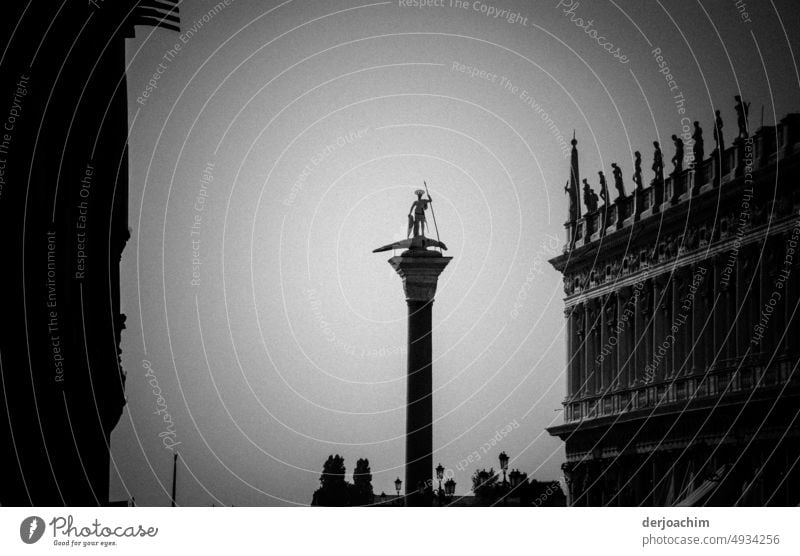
(701, 255)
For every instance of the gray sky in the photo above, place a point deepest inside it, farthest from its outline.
(301, 129)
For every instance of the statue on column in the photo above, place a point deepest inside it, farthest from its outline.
(603, 189)
(637, 171)
(589, 197)
(417, 224)
(417, 221)
(618, 181)
(658, 162)
(677, 160)
(742, 112)
(718, 132)
(697, 148)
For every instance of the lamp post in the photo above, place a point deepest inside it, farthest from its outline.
(440, 474)
(397, 485)
(503, 457)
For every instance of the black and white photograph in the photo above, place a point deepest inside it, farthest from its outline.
(284, 275)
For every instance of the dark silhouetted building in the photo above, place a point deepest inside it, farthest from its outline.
(64, 224)
(682, 334)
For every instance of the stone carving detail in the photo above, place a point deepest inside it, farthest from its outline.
(672, 246)
(589, 197)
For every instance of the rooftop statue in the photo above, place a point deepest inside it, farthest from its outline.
(573, 201)
(677, 160)
(618, 181)
(637, 173)
(697, 149)
(742, 111)
(417, 224)
(718, 132)
(589, 197)
(603, 189)
(658, 162)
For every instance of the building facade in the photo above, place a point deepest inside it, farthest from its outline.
(64, 223)
(682, 332)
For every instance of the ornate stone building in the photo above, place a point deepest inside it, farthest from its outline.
(682, 332)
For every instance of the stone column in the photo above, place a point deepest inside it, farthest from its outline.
(569, 313)
(662, 339)
(644, 332)
(580, 350)
(619, 331)
(627, 317)
(593, 325)
(601, 354)
(610, 342)
(721, 297)
(683, 335)
(767, 286)
(743, 296)
(420, 273)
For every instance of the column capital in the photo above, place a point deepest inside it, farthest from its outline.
(420, 274)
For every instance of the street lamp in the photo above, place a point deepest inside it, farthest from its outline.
(397, 484)
(503, 464)
(440, 474)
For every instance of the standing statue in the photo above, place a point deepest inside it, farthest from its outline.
(718, 132)
(417, 224)
(417, 221)
(573, 202)
(677, 160)
(637, 171)
(603, 189)
(658, 162)
(697, 148)
(589, 197)
(618, 181)
(742, 112)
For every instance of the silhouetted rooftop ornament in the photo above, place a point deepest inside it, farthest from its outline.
(637, 172)
(658, 162)
(573, 186)
(718, 132)
(697, 148)
(742, 112)
(589, 197)
(603, 189)
(677, 159)
(418, 244)
(573, 199)
(618, 181)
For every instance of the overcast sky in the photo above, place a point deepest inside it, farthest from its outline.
(283, 142)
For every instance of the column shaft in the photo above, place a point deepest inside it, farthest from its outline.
(419, 413)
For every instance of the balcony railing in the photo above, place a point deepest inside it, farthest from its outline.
(713, 384)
